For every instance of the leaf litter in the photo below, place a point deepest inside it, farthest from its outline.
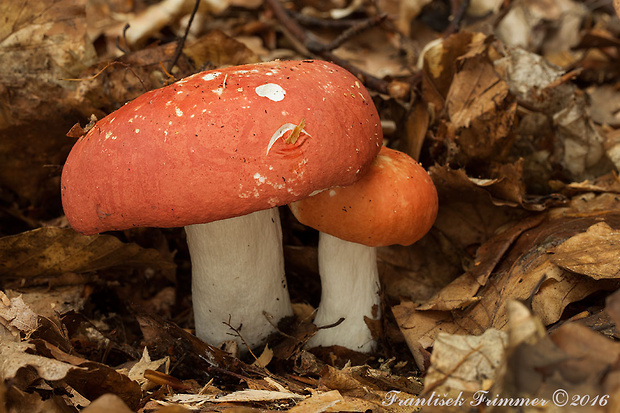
(511, 106)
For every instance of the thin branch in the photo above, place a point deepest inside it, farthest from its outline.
(96, 75)
(316, 47)
(353, 31)
(238, 334)
(118, 38)
(322, 23)
(181, 41)
(457, 18)
(332, 325)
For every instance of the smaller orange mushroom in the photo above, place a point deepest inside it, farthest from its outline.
(394, 203)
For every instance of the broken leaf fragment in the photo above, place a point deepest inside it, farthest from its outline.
(595, 253)
(297, 129)
(292, 138)
(465, 363)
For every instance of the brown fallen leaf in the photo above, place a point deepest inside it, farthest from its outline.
(465, 363)
(107, 403)
(574, 367)
(50, 251)
(13, 357)
(595, 253)
(318, 402)
(216, 48)
(41, 43)
(16, 316)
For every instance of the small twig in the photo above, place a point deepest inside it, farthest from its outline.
(238, 334)
(351, 32)
(317, 47)
(336, 324)
(322, 23)
(269, 318)
(181, 42)
(118, 44)
(457, 18)
(96, 75)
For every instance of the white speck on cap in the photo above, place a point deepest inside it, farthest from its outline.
(211, 76)
(178, 111)
(271, 91)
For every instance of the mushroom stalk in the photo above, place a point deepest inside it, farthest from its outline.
(349, 290)
(238, 277)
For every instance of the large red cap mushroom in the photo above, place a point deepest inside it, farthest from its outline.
(218, 145)
(394, 203)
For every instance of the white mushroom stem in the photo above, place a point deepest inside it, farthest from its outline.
(350, 290)
(237, 276)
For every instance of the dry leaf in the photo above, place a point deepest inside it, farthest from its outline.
(52, 251)
(216, 48)
(573, 358)
(465, 363)
(241, 396)
(106, 404)
(265, 357)
(13, 357)
(318, 402)
(136, 373)
(16, 316)
(595, 253)
(526, 272)
(41, 43)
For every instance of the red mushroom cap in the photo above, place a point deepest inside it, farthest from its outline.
(220, 144)
(394, 203)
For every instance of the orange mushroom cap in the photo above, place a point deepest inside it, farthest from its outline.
(394, 203)
(214, 145)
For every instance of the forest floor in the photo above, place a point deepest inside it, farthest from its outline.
(507, 304)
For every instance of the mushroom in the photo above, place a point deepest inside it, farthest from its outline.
(394, 203)
(216, 152)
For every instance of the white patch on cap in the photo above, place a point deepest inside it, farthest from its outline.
(271, 91)
(178, 111)
(259, 178)
(332, 192)
(211, 76)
